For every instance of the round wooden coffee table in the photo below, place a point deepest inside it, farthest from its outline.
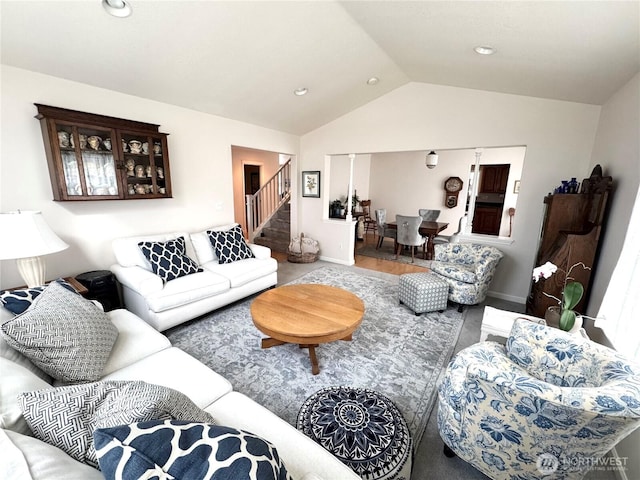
(306, 314)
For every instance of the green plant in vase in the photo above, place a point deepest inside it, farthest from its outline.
(572, 292)
(335, 207)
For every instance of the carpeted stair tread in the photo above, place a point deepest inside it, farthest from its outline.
(276, 245)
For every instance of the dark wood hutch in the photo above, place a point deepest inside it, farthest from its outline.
(571, 232)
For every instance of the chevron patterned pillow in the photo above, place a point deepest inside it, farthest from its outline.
(67, 417)
(63, 334)
(186, 451)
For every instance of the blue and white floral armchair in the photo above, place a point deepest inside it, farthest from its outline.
(468, 268)
(549, 404)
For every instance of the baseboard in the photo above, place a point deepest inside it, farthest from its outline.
(335, 260)
(509, 298)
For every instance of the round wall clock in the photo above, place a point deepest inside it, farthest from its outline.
(453, 184)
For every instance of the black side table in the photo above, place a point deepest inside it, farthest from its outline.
(103, 287)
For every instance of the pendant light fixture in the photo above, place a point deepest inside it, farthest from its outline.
(117, 8)
(431, 160)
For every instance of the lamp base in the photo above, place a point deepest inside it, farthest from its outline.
(32, 270)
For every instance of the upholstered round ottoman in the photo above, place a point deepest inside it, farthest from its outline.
(361, 427)
(423, 292)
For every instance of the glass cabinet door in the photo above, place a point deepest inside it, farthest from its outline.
(161, 166)
(66, 143)
(88, 162)
(96, 150)
(144, 164)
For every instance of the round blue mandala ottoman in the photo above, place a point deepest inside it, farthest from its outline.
(361, 427)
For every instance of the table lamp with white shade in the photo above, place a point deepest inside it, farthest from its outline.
(26, 237)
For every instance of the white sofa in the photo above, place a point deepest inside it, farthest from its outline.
(165, 305)
(142, 353)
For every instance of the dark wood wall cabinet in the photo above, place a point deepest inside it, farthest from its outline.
(570, 234)
(494, 178)
(492, 187)
(96, 157)
(486, 219)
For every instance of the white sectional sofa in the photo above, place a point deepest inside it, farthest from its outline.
(142, 353)
(166, 304)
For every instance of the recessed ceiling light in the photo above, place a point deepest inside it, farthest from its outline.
(117, 8)
(300, 91)
(485, 50)
(373, 81)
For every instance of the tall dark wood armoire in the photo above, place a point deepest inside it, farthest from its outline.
(570, 234)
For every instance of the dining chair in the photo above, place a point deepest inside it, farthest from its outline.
(429, 215)
(409, 234)
(382, 230)
(369, 223)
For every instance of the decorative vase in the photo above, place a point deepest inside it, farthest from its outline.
(552, 317)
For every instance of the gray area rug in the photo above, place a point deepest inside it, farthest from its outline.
(386, 252)
(393, 351)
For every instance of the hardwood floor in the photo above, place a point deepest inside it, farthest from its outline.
(370, 263)
(387, 266)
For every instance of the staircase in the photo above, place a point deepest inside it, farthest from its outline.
(276, 234)
(263, 205)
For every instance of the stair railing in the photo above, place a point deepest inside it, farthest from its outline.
(263, 204)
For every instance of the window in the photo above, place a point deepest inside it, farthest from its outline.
(620, 309)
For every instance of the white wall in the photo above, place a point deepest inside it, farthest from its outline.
(362, 176)
(338, 178)
(558, 136)
(200, 157)
(401, 184)
(340, 173)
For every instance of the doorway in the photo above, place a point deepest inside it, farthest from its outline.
(492, 188)
(251, 169)
(251, 179)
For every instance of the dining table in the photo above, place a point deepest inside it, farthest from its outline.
(426, 229)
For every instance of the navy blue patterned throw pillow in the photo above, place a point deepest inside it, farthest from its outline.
(17, 301)
(169, 259)
(185, 450)
(230, 245)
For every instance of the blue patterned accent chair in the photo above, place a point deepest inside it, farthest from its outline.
(548, 404)
(468, 268)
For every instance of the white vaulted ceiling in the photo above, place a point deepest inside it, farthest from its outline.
(242, 60)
